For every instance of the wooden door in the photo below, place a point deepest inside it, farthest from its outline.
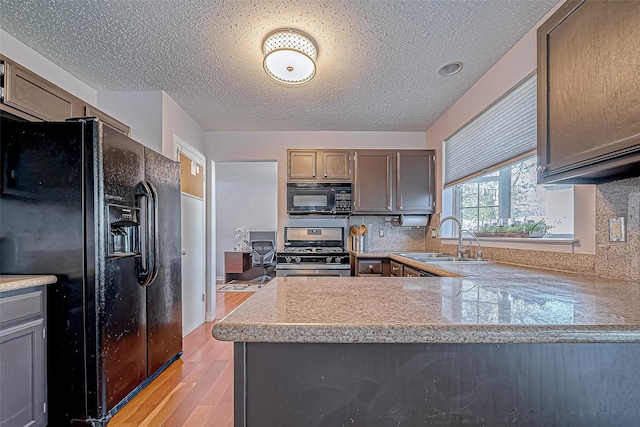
(415, 181)
(303, 164)
(336, 165)
(588, 90)
(372, 190)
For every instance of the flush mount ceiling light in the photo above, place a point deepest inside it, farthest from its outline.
(450, 68)
(290, 56)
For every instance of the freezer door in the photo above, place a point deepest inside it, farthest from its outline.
(42, 232)
(164, 293)
(121, 301)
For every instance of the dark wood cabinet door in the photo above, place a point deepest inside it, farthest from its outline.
(372, 192)
(588, 92)
(396, 269)
(303, 165)
(336, 166)
(410, 272)
(415, 181)
(23, 389)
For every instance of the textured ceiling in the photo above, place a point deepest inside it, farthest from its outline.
(377, 65)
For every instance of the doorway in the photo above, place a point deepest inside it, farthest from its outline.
(193, 228)
(246, 196)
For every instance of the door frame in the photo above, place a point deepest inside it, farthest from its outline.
(182, 147)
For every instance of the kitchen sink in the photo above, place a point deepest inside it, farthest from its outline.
(436, 257)
(454, 259)
(421, 255)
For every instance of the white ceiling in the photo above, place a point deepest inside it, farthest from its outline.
(377, 65)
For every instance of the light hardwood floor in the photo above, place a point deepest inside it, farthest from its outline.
(196, 390)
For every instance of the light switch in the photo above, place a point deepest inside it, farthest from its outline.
(617, 229)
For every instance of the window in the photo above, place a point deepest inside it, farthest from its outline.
(509, 200)
(490, 173)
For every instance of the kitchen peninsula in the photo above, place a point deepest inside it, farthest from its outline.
(497, 345)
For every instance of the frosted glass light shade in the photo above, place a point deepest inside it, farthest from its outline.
(290, 57)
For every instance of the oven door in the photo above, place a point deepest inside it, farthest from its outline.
(310, 198)
(313, 269)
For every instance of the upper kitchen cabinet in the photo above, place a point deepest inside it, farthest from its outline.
(589, 92)
(415, 181)
(26, 94)
(40, 99)
(107, 120)
(319, 165)
(393, 182)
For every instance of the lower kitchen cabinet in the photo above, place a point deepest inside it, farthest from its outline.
(410, 272)
(371, 267)
(396, 268)
(23, 358)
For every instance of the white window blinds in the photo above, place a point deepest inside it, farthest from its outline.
(504, 132)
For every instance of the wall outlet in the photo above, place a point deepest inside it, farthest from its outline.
(434, 233)
(617, 229)
(381, 232)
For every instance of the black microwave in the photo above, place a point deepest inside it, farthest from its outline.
(320, 199)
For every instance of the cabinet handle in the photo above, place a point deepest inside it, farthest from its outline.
(541, 168)
(313, 176)
(325, 175)
(395, 268)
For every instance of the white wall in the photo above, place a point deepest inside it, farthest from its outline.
(514, 66)
(142, 111)
(176, 121)
(247, 146)
(246, 195)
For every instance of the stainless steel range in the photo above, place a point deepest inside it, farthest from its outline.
(313, 252)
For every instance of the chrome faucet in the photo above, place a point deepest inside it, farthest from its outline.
(479, 255)
(461, 250)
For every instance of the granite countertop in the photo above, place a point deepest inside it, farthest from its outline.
(12, 283)
(491, 303)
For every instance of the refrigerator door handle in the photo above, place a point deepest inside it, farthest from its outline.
(153, 252)
(144, 264)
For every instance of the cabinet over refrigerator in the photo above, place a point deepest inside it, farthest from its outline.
(102, 213)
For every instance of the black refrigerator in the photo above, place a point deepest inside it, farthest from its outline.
(101, 212)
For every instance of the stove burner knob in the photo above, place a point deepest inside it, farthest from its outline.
(297, 259)
(328, 259)
(338, 259)
(287, 259)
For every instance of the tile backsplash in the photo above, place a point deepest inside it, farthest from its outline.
(394, 238)
(618, 259)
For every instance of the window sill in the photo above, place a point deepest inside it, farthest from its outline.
(533, 244)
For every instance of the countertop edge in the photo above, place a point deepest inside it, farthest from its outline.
(15, 282)
(435, 334)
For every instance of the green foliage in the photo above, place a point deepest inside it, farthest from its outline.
(538, 227)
